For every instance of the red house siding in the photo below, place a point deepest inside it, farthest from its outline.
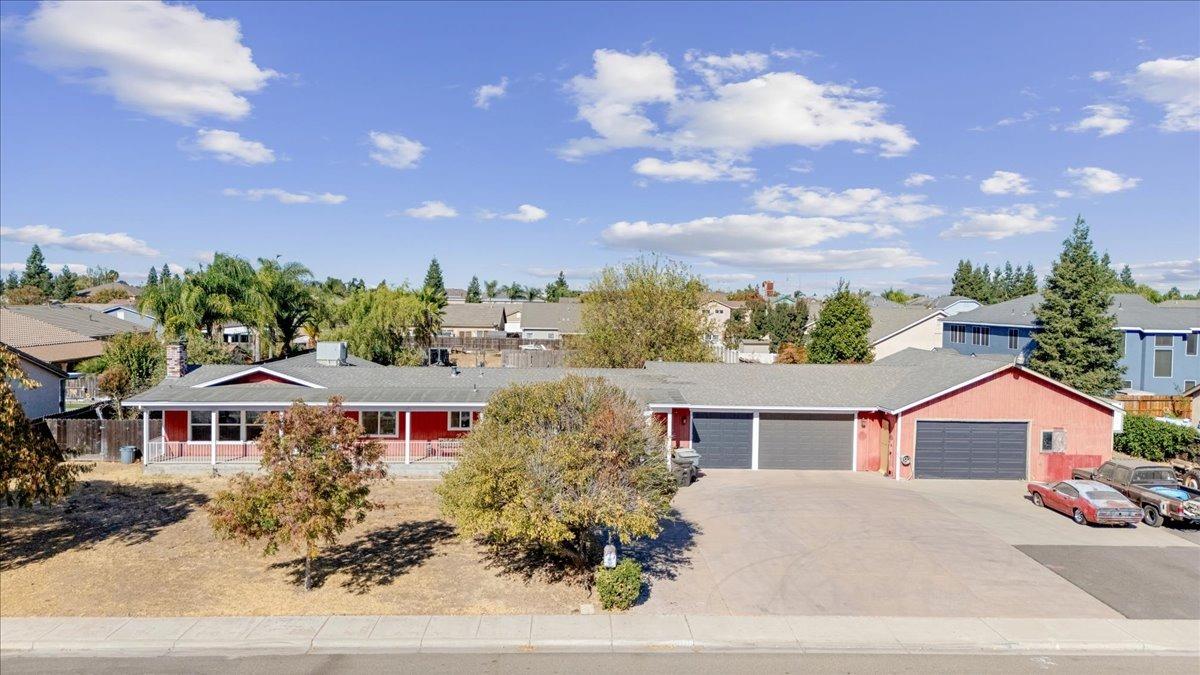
(874, 441)
(1017, 396)
(432, 425)
(175, 425)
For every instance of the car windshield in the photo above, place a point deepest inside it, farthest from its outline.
(1104, 494)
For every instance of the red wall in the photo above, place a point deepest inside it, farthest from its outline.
(1017, 396)
(175, 425)
(431, 425)
(681, 420)
(871, 436)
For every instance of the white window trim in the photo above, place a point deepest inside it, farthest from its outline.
(1189, 341)
(450, 417)
(1014, 338)
(208, 423)
(1154, 361)
(981, 336)
(395, 423)
(959, 331)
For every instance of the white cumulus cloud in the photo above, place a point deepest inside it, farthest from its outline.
(1173, 84)
(485, 94)
(1106, 118)
(1005, 183)
(229, 146)
(715, 68)
(1001, 223)
(56, 267)
(918, 179)
(526, 213)
(285, 197)
(1099, 181)
(691, 170)
(96, 242)
(869, 204)
(167, 60)
(1100, 75)
(395, 150)
(431, 210)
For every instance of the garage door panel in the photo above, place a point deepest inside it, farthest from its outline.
(808, 442)
(971, 450)
(722, 439)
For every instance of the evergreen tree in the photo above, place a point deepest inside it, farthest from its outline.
(1027, 284)
(433, 277)
(13, 281)
(758, 317)
(967, 281)
(840, 334)
(63, 287)
(473, 293)
(557, 289)
(152, 277)
(165, 274)
(1126, 278)
(785, 323)
(1077, 343)
(36, 272)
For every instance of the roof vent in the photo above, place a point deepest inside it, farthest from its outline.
(331, 353)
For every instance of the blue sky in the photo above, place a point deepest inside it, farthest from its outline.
(800, 143)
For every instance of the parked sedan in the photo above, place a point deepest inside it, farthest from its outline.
(1086, 501)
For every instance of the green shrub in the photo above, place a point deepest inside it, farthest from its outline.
(1155, 440)
(620, 586)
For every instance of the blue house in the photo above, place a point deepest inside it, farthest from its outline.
(1161, 351)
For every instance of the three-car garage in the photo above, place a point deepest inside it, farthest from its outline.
(814, 441)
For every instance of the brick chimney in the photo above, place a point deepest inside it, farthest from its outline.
(176, 359)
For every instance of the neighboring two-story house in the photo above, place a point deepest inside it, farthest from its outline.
(1161, 350)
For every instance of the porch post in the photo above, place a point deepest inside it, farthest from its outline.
(212, 443)
(407, 436)
(670, 435)
(145, 435)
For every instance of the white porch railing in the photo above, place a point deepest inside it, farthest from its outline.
(202, 452)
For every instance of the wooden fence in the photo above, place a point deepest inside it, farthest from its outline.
(1157, 406)
(99, 440)
(490, 343)
(533, 358)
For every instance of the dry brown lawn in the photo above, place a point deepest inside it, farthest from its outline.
(125, 544)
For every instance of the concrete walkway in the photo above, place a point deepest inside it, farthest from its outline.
(227, 636)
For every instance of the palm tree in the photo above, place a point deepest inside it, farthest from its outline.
(514, 291)
(490, 288)
(284, 300)
(533, 292)
(162, 301)
(428, 321)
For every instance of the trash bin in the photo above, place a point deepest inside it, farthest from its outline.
(127, 453)
(686, 463)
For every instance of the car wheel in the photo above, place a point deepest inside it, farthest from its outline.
(1078, 517)
(1037, 500)
(1151, 516)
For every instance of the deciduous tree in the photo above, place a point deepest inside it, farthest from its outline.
(550, 465)
(315, 482)
(840, 333)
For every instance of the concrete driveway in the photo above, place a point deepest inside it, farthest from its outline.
(833, 543)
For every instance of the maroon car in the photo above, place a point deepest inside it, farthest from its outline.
(1086, 501)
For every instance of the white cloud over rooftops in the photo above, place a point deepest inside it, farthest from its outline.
(95, 242)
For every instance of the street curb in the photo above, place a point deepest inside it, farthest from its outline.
(601, 633)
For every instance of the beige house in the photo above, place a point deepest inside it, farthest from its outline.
(472, 320)
(718, 312)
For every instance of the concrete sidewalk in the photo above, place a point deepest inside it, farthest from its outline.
(188, 636)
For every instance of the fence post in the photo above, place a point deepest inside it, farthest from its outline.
(213, 437)
(407, 436)
(145, 435)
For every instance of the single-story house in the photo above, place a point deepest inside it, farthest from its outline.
(125, 311)
(472, 320)
(111, 289)
(894, 327)
(74, 318)
(1161, 348)
(916, 414)
(49, 397)
(60, 347)
(550, 320)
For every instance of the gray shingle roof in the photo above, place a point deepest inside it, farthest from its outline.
(79, 320)
(891, 383)
(473, 315)
(566, 317)
(886, 320)
(1130, 309)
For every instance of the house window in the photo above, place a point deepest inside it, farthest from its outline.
(1127, 384)
(459, 420)
(979, 335)
(1054, 440)
(254, 422)
(378, 422)
(1193, 340)
(1163, 356)
(1013, 334)
(958, 334)
(1188, 384)
(229, 425)
(200, 427)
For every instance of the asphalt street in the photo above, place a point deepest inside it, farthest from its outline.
(874, 664)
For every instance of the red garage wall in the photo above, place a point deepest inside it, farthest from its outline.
(873, 433)
(1017, 396)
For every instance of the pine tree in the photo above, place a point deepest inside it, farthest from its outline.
(433, 277)
(960, 283)
(840, 334)
(13, 281)
(473, 293)
(1028, 283)
(152, 277)
(165, 274)
(1076, 337)
(557, 289)
(36, 272)
(63, 287)
(1126, 278)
